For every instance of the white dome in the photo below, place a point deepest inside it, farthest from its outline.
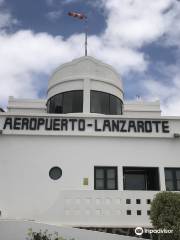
(75, 75)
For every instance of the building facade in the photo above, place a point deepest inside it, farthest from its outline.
(84, 157)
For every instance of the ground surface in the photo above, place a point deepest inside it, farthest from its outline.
(17, 230)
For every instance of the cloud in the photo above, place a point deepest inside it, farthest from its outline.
(168, 91)
(6, 19)
(169, 95)
(26, 54)
(54, 15)
(131, 25)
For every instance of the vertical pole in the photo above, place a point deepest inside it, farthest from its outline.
(86, 29)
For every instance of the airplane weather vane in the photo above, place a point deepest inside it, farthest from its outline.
(81, 16)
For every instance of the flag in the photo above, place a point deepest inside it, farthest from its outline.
(77, 15)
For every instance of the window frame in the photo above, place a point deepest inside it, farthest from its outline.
(63, 95)
(105, 168)
(146, 172)
(109, 103)
(174, 177)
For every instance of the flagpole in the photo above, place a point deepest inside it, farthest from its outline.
(86, 33)
(81, 16)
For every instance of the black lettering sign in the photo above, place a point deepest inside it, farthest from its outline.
(165, 127)
(48, 124)
(122, 129)
(8, 122)
(56, 124)
(33, 124)
(96, 127)
(65, 124)
(17, 123)
(40, 122)
(106, 125)
(72, 121)
(25, 124)
(156, 123)
(81, 125)
(115, 125)
(148, 126)
(132, 126)
(140, 126)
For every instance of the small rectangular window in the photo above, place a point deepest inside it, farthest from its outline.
(128, 201)
(138, 212)
(105, 178)
(139, 178)
(128, 212)
(172, 178)
(138, 201)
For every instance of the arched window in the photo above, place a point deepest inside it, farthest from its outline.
(105, 103)
(66, 102)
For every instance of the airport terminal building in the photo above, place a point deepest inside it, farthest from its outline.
(84, 157)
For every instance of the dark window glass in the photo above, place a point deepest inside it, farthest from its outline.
(135, 181)
(115, 105)
(172, 177)
(67, 102)
(105, 178)
(128, 212)
(141, 178)
(138, 212)
(105, 103)
(57, 101)
(55, 173)
(138, 201)
(99, 102)
(128, 201)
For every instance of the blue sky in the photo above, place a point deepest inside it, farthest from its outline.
(139, 38)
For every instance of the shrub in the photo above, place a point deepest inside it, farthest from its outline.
(44, 235)
(165, 214)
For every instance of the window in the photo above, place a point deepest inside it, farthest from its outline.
(138, 178)
(55, 173)
(128, 212)
(66, 102)
(172, 177)
(138, 212)
(105, 178)
(105, 103)
(138, 201)
(128, 201)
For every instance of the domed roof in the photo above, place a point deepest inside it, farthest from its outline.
(82, 68)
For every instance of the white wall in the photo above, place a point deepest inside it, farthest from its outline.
(25, 161)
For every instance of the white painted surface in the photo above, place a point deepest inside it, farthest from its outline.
(26, 156)
(70, 76)
(27, 191)
(16, 105)
(133, 109)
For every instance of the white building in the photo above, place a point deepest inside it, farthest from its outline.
(84, 157)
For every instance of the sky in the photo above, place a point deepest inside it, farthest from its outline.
(139, 38)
